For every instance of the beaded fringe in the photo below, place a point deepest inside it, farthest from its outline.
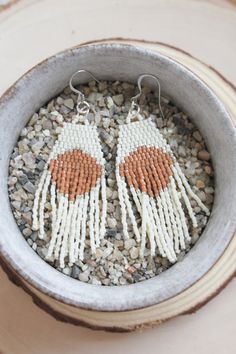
(148, 172)
(74, 178)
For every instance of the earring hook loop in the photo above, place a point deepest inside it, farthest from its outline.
(140, 79)
(82, 105)
(76, 74)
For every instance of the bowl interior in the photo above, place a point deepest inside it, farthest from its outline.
(121, 62)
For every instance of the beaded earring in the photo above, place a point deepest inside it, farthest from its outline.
(149, 176)
(75, 176)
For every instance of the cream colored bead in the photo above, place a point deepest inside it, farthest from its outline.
(92, 221)
(83, 227)
(78, 228)
(129, 209)
(62, 224)
(72, 234)
(65, 245)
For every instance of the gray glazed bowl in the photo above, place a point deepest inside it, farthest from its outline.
(118, 62)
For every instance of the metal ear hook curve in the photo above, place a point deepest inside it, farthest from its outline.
(139, 82)
(83, 105)
(81, 95)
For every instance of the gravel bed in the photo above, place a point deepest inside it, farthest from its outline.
(117, 261)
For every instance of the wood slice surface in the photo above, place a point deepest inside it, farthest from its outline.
(202, 291)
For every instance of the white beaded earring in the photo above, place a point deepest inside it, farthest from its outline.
(149, 174)
(75, 177)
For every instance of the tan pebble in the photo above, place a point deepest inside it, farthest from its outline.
(131, 269)
(198, 146)
(204, 155)
(208, 170)
(200, 184)
(197, 136)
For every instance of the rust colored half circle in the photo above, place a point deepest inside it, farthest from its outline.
(75, 173)
(147, 169)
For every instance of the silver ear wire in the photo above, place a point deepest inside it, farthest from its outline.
(135, 98)
(82, 105)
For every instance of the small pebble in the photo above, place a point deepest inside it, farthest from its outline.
(110, 102)
(66, 271)
(19, 195)
(40, 165)
(106, 252)
(204, 155)
(131, 269)
(200, 184)
(16, 204)
(59, 119)
(34, 119)
(134, 252)
(30, 242)
(46, 124)
(111, 232)
(111, 182)
(208, 170)
(197, 136)
(27, 232)
(69, 103)
(111, 223)
(46, 132)
(182, 151)
(84, 276)
(118, 99)
(29, 159)
(129, 243)
(34, 236)
(209, 190)
(59, 100)
(12, 181)
(27, 217)
(29, 187)
(95, 281)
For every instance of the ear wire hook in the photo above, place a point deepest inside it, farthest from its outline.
(140, 79)
(82, 105)
(82, 98)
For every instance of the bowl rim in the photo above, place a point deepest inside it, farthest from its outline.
(41, 283)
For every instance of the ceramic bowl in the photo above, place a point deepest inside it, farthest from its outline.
(130, 306)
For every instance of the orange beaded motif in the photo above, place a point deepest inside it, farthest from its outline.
(75, 173)
(148, 169)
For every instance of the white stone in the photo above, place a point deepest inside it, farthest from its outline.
(134, 252)
(111, 222)
(69, 103)
(84, 276)
(118, 99)
(129, 243)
